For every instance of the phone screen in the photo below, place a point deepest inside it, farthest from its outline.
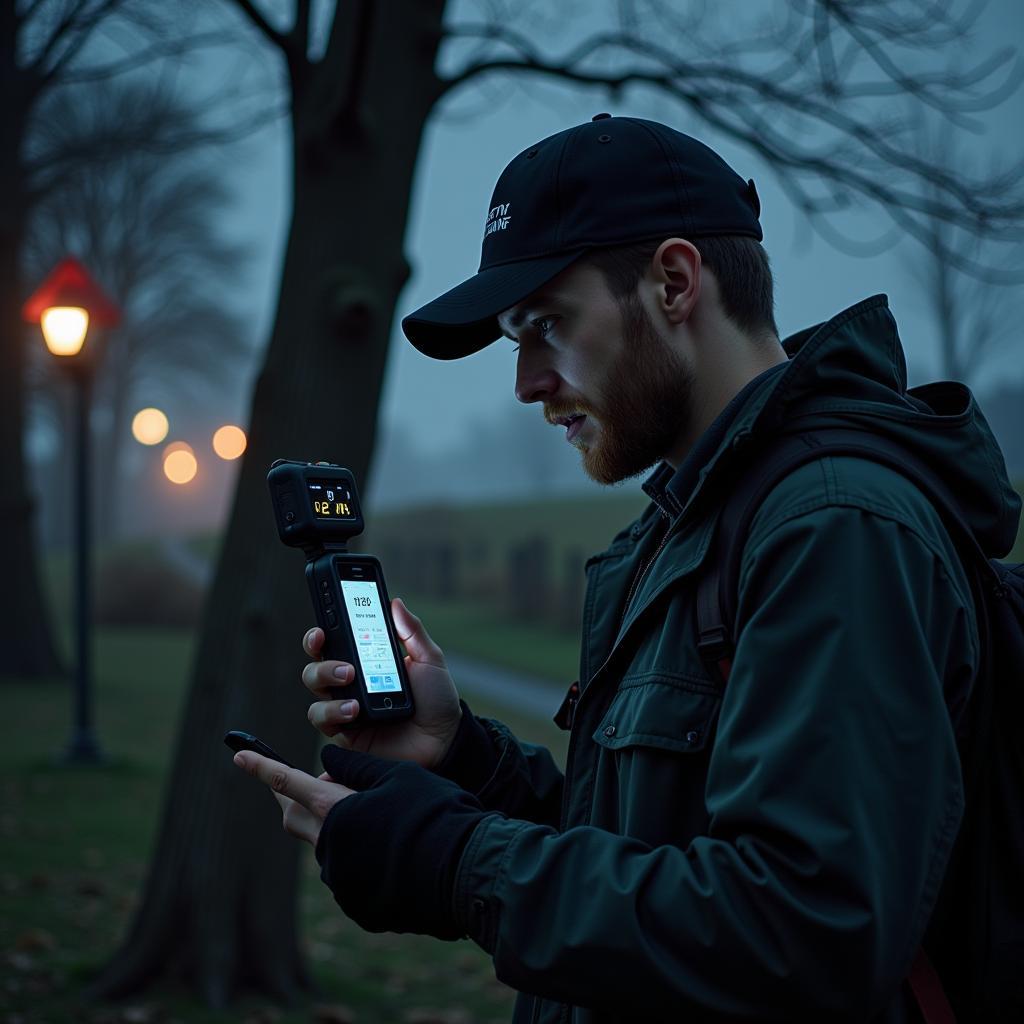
(370, 632)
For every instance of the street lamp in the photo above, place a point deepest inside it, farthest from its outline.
(229, 442)
(64, 305)
(180, 465)
(64, 329)
(149, 426)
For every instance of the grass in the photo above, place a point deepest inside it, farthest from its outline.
(566, 522)
(477, 632)
(77, 841)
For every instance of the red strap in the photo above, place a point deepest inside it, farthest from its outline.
(928, 991)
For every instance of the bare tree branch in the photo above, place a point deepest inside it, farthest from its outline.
(28, 12)
(300, 32)
(148, 55)
(973, 315)
(74, 30)
(918, 86)
(853, 152)
(252, 12)
(62, 144)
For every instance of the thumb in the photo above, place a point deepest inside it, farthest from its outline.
(353, 768)
(416, 639)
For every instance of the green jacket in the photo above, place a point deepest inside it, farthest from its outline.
(772, 849)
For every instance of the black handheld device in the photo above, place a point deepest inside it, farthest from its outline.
(316, 508)
(238, 740)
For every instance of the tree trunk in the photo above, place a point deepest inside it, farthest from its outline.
(27, 647)
(220, 902)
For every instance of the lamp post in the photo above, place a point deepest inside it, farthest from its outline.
(64, 305)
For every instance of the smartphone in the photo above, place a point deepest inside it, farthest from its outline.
(316, 508)
(354, 611)
(238, 740)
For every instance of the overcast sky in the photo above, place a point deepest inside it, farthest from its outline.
(462, 156)
(468, 142)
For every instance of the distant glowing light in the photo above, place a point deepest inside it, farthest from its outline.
(180, 465)
(149, 426)
(64, 329)
(229, 442)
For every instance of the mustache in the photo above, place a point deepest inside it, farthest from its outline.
(555, 413)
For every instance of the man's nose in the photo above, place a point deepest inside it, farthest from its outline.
(535, 381)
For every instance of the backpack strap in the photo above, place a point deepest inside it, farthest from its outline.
(717, 592)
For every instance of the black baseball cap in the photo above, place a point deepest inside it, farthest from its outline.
(610, 181)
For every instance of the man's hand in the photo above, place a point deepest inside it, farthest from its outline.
(390, 852)
(400, 838)
(424, 738)
(304, 800)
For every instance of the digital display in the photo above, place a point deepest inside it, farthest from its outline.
(373, 646)
(331, 500)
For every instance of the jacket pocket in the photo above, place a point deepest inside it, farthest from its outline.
(653, 746)
(660, 709)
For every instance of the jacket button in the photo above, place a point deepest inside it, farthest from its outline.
(692, 737)
(610, 731)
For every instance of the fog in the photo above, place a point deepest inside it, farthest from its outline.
(443, 423)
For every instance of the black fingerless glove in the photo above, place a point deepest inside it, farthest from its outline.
(390, 852)
(472, 757)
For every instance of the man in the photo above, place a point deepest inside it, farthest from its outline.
(766, 850)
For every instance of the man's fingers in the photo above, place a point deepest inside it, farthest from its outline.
(313, 641)
(320, 677)
(329, 715)
(416, 639)
(280, 778)
(313, 794)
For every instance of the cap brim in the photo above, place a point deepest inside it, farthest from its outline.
(464, 320)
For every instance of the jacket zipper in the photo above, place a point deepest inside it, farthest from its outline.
(637, 580)
(574, 703)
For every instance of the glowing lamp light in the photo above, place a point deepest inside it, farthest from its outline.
(229, 442)
(149, 426)
(180, 465)
(64, 329)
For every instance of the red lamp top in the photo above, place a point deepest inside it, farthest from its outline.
(69, 284)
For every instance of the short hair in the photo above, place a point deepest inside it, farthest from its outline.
(739, 263)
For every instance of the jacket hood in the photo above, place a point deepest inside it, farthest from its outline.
(851, 371)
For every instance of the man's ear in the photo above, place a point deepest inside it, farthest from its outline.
(675, 269)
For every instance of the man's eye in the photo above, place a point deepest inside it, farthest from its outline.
(543, 324)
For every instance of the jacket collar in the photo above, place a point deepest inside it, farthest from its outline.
(669, 488)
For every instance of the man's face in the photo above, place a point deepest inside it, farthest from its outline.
(581, 352)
